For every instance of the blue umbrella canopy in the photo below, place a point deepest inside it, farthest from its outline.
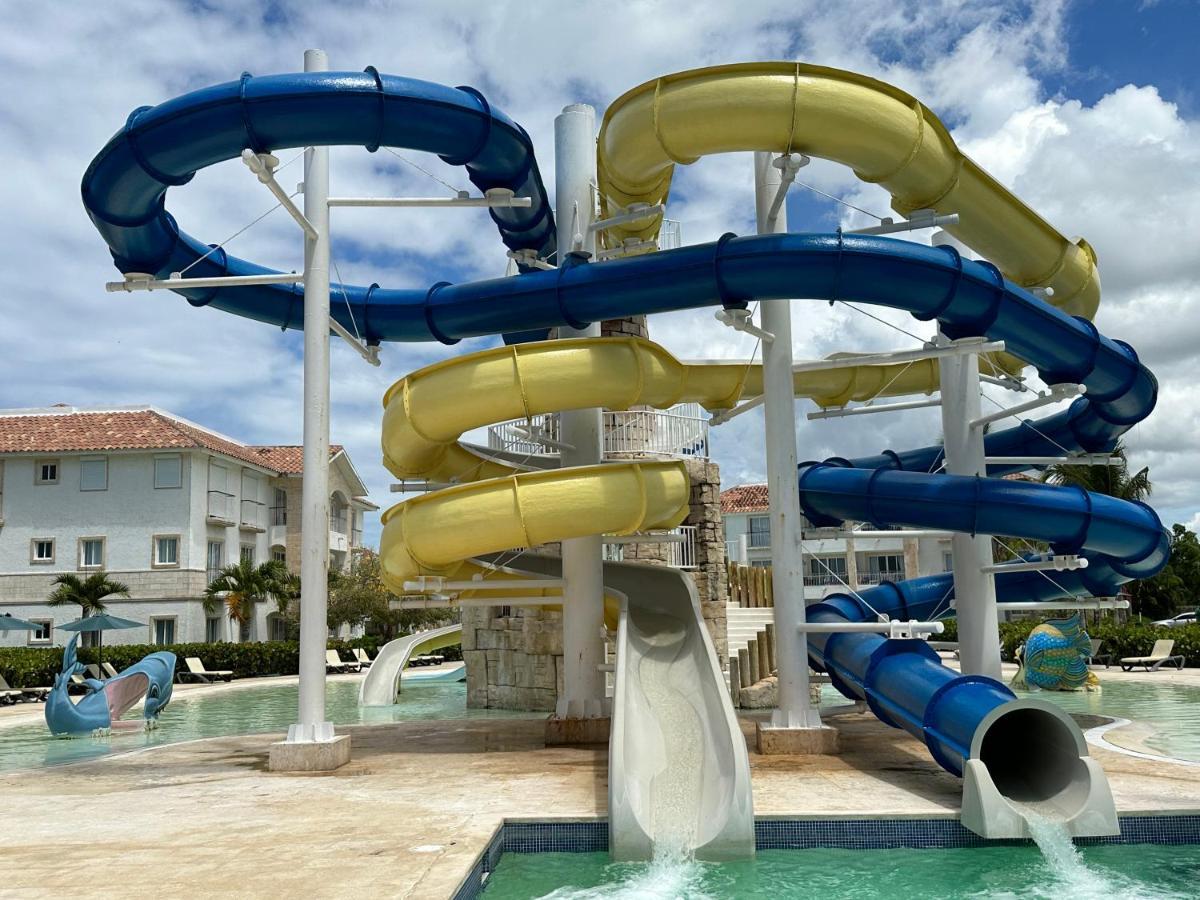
(101, 622)
(9, 622)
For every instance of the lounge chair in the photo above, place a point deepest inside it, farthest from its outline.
(7, 692)
(109, 670)
(93, 671)
(196, 670)
(364, 661)
(1159, 655)
(1095, 656)
(337, 664)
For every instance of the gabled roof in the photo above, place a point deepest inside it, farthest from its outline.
(745, 498)
(64, 429)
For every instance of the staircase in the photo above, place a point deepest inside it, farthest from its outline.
(742, 625)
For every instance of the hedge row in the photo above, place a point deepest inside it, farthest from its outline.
(37, 666)
(1120, 640)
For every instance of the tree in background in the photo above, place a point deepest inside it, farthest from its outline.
(1176, 587)
(359, 597)
(86, 593)
(1116, 481)
(240, 586)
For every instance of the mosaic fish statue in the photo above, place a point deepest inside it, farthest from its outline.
(1055, 657)
(101, 708)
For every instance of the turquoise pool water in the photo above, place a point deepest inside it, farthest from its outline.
(1103, 872)
(241, 710)
(1172, 710)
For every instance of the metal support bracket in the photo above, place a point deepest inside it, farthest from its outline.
(1044, 398)
(920, 218)
(871, 407)
(789, 164)
(1067, 562)
(264, 165)
(493, 198)
(140, 281)
(739, 320)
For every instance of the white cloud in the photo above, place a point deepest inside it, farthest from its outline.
(1119, 172)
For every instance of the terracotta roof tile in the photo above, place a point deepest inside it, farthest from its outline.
(140, 429)
(745, 498)
(287, 459)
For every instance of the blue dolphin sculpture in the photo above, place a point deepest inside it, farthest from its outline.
(106, 701)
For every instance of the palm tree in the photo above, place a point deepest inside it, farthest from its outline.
(1116, 481)
(239, 586)
(86, 593)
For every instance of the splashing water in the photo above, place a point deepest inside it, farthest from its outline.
(1073, 879)
(667, 877)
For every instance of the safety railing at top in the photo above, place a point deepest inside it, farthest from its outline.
(681, 432)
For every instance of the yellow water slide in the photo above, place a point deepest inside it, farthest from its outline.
(494, 506)
(886, 136)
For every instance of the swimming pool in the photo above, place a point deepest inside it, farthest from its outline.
(245, 709)
(1105, 871)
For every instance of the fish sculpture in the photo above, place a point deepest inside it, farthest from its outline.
(101, 708)
(1055, 657)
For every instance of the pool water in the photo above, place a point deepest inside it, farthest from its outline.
(1104, 871)
(194, 714)
(1171, 710)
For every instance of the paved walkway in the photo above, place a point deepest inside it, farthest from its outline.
(411, 812)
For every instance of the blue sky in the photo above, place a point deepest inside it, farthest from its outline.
(1085, 109)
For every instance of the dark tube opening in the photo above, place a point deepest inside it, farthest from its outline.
(1032, 756)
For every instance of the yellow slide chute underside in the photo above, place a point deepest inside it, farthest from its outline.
(494, 506)
(886, 136)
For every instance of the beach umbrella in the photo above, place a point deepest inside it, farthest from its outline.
(9, 622)
(99, 624)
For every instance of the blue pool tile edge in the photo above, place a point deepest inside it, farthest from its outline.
(792, 833)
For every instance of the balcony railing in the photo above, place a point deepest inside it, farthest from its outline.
(682, 554)
(254, 515)
(681, 431)
(825, 579)
(220, 506)
(278, 515)
(879, 577)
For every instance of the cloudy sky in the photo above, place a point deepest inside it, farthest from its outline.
(1083, 108)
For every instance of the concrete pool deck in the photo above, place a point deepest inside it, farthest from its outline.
(414, 808)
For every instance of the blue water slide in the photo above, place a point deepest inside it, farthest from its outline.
(164, 146)
(903, 681)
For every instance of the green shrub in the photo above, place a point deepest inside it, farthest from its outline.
(1120, 639)
(37, 666)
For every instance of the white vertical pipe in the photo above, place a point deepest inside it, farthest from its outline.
(314, 546)
(743, 544)
(795, 708)
(974, 588)
(583, 568)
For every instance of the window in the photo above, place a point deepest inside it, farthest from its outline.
(760, 531)
(163, 631)
(91, 553)
(166, 550)
(45, 471)
(277, 627)
(947, 561)
(248, 553)
(760, 564)
(216, 558)
(212, 629)
(168, 471)
(825, 570)
(93, 473)
(41, 550)
(889, 567)
(279, 555)
(279, 508)
(42, 634)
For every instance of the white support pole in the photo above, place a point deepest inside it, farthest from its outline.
(583, 567)
(795, 708)
(314, 547)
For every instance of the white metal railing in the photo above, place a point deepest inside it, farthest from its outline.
(681, 431)
(680, 545)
